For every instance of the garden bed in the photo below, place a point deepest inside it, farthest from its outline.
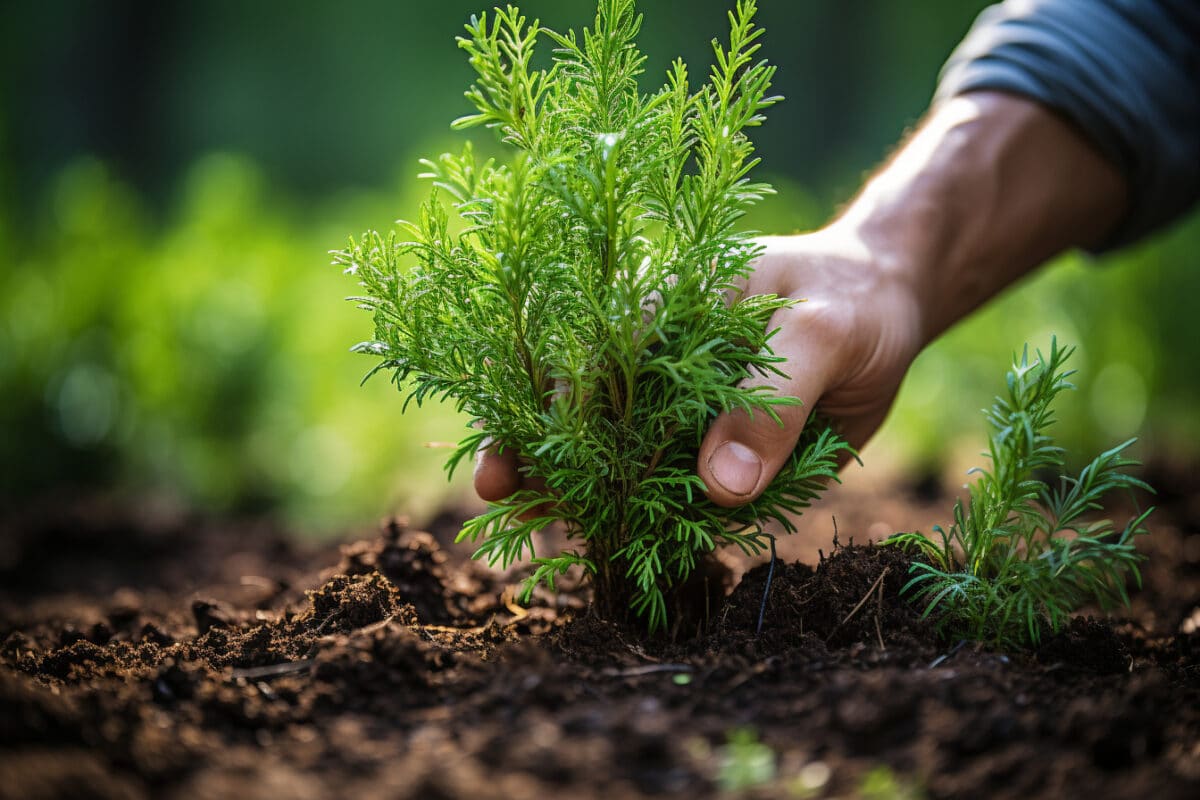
(188, 659)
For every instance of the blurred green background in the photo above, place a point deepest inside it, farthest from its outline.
(173, 175)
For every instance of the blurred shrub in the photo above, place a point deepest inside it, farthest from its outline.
(206, 357)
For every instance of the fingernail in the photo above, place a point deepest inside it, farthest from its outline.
(735, 467)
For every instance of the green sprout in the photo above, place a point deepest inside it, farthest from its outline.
(881, 783)
(744, 762)
(581, 316)
(1020, 554)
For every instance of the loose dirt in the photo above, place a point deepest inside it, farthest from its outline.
(185, 659)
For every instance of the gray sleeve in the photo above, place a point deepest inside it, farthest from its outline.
(1125, 72)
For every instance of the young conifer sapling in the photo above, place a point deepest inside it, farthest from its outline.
(1022, 554)
(577, 307)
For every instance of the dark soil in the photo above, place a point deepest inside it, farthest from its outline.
(142, 658)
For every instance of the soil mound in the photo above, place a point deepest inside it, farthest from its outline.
(852, 596)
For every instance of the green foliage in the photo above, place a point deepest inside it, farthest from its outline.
(1021, 554)
(200, 359)
(581, 316)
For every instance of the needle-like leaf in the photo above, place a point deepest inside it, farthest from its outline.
(1018, 557)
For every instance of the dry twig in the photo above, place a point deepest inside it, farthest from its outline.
(877, 584)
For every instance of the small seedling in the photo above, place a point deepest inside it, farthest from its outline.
(582, 317)
(744, 762)
(881, 783)
(1021, 555)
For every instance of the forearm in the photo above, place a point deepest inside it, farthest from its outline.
(989, 187)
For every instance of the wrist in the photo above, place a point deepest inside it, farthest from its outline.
(924, 216)
(988, 188)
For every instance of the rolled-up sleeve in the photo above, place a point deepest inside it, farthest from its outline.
(1125, 72)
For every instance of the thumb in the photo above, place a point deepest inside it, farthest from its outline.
(743, 452)
(496, 472)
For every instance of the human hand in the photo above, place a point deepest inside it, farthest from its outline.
(988, 187)
(846, 346)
